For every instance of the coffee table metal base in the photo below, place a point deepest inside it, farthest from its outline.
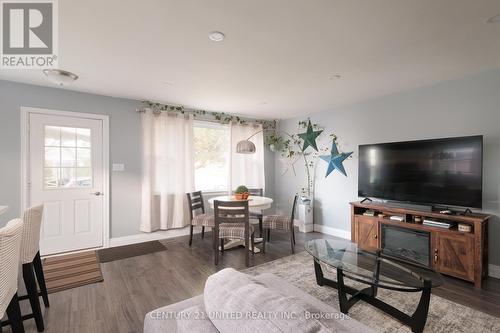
(369, 295)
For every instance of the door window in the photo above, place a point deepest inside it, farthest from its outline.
(67, 157)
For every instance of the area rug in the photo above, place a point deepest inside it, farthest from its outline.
(129, 251)
(71, 271)
(444, 315)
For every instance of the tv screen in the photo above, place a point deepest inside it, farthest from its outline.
(438, 172)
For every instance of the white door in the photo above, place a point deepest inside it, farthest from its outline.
(66, 174)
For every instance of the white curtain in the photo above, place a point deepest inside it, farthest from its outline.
(168, 170)
(246, 169)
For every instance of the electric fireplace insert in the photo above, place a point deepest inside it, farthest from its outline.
(406, 244)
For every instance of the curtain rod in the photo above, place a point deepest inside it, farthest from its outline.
(209, 116)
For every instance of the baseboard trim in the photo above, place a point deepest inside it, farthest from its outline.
(332, 231)
(147, 237)
(494, 271)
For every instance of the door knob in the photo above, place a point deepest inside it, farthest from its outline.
(97, 193)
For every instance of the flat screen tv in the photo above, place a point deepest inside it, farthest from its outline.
(434, 172)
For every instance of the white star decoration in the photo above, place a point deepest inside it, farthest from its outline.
(289, 163)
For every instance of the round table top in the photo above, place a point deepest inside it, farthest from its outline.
(254, 201)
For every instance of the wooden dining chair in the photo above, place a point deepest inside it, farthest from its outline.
(253, 214)
(280, 222)
(232, 221)
(256, 215)
(196, 204)
(10, 249)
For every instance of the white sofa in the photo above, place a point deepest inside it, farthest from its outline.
(233, 301)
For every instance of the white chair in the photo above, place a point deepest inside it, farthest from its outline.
(31, 263)
(10, 246)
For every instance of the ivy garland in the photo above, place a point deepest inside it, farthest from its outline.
(220, 117)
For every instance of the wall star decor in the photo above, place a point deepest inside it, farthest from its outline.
(292, 149)
(335, 160)
(309, 137)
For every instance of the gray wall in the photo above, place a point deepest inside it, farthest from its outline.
(125, 147)
(454, 108)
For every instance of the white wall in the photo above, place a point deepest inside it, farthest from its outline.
(468, 106)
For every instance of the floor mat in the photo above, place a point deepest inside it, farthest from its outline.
(71, 271)
(128, 251)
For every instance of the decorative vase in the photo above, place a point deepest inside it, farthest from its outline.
(241, 196)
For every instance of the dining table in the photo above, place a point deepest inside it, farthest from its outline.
(255, 203)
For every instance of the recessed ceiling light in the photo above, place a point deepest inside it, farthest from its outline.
(60, 77)
(335, 77)
(216, 36)
(494, 19)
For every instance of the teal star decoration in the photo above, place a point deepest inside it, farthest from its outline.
(335, 160)
(309, 137)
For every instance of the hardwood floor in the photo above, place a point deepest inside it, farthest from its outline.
(134, 286)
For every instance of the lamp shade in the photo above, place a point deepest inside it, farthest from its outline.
(245, 147)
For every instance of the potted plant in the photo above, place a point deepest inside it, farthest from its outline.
(241, 193)
(274, 141)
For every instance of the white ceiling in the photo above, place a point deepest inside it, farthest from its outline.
(278, 55)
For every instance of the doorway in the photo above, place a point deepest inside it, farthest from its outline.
(66, 167)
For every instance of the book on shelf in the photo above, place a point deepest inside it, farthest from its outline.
(369, 213)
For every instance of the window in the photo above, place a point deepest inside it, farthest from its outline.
(67, 158)
(211, 156)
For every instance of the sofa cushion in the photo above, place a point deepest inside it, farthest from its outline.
(194, 319)
(337, 321)
(159, 320)
(237, 302)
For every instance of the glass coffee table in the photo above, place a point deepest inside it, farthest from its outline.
(376, 271)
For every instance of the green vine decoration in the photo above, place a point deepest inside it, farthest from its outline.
(220, 117)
